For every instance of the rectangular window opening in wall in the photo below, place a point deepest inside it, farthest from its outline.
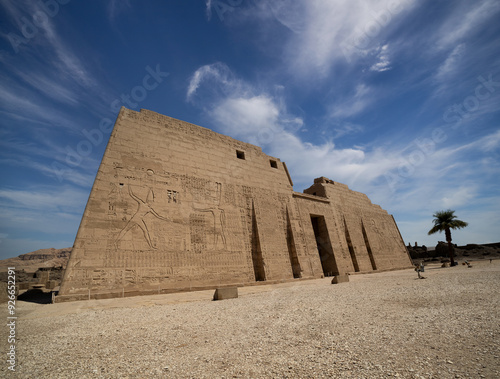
(240, 154)
(274, 164)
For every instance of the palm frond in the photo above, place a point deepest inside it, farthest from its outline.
(446, 219)
(435, 229)
(458, 224)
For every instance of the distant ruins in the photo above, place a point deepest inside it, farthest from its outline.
(178, 207)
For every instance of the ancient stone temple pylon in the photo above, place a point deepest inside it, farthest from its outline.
(178, 207)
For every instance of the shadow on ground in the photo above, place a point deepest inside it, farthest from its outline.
(36, 296)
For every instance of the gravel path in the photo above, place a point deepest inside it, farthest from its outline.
(375, 326)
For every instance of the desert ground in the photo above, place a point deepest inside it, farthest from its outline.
(379, 325)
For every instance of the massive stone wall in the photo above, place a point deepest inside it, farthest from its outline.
(177, 207)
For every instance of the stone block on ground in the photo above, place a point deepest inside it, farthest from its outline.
(226, 293)
(340, 279)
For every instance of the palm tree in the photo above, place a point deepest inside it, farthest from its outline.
(445, 221)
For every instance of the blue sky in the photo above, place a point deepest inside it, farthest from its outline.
(399, 99)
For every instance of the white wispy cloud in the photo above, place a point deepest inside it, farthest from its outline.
(354, 104)
(24, 103)
(352, 166)
(217, 73)
(68, 62)
(450, 65)
(48, 67)
(55, 166)
(458, 197)
(40, 79)
(467, 16)
(51, 52)
(208, 4)
(490, 142)
(55, 67)
(46, 200)
(418, 180)
(47, 158)
(327, 32)
(383, 62)
(346, 128)
(42, 211)
(256, 116)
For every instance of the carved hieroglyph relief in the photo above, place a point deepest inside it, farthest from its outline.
(217, 218)
(143, 208)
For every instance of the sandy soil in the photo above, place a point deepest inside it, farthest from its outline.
(375, 326)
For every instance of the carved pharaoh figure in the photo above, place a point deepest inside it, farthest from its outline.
(218, 217)
(144, 207)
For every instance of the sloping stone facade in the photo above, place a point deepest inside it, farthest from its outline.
(178, 207)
